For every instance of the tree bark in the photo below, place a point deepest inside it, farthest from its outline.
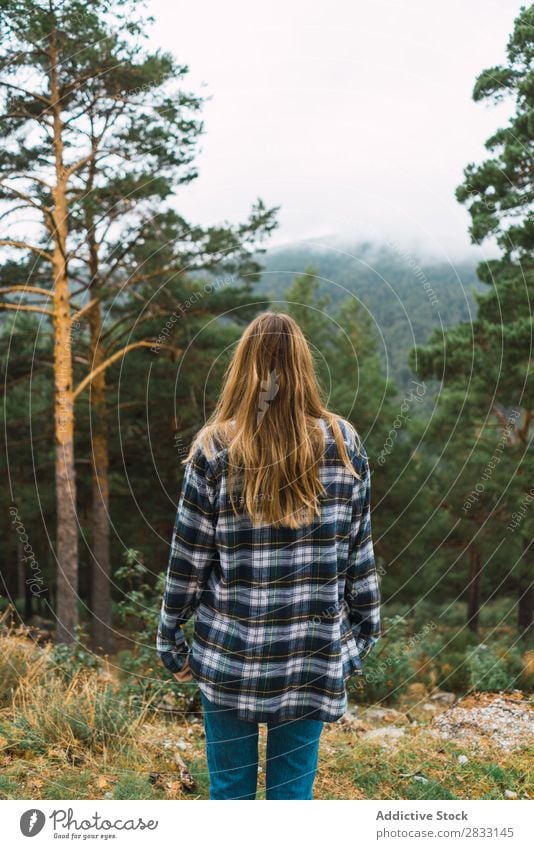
(67, 521)
(101, 625)
(101, 610)
(475, 581)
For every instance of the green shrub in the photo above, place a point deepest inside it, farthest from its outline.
(398, 608)
(448, 615)
(71, 659)
(452, 672)
(498, 613)
(491, 668)
(144, 679)
(460, 640)
(141, 684)
(388, 668)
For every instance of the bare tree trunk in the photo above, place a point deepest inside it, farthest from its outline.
(475, 581)
(102, 630)
(67, 522)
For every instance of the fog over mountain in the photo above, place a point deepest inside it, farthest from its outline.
(406, 295)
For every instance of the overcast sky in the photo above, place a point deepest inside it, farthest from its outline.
(355, 116)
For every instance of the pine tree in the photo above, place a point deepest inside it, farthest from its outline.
(97, 143)
(493, 355)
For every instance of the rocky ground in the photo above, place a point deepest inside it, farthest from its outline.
(504, 719)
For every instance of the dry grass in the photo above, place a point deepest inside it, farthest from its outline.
(19, 661)
(75, 739)
(83, 714)
(421, 766)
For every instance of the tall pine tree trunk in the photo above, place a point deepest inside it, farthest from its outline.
(67, 522)
(475, 581)
(101, 625)
(101, 611)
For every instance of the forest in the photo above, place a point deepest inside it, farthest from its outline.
(117, 320)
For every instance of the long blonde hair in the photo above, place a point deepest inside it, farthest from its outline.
(267, 416)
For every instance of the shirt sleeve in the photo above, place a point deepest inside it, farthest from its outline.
(191, 560)
(362, 592)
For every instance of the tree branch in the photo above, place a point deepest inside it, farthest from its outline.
(85, 309)
(24, 176)
(77, 165)
(26, 198)
(116, 356)
(13, 243)
(25, 91)
(35, 290)
(25, 308)
(150, 316)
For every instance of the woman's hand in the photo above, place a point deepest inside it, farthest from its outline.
(185, 673)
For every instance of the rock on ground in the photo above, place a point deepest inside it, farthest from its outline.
(384, 736)
(505, 719)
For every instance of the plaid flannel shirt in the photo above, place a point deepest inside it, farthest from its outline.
(283, 616)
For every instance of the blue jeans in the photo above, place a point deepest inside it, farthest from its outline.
(232, 752)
